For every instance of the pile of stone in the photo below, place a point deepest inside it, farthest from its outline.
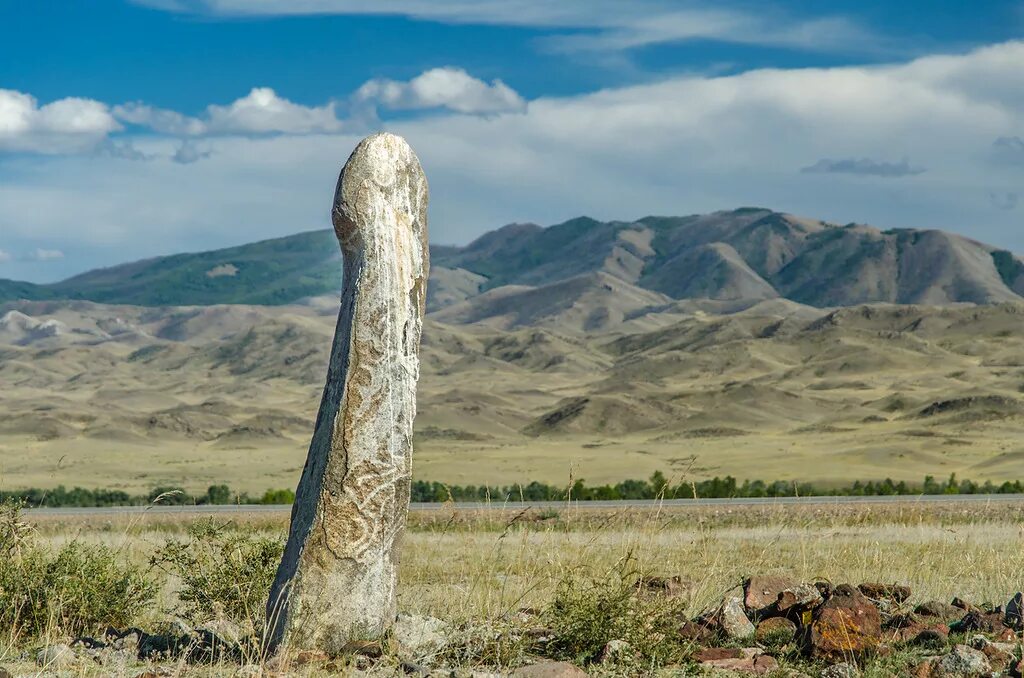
(844, 625)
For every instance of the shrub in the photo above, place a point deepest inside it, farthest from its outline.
(224, 572)
(589, 612)
(77, 588)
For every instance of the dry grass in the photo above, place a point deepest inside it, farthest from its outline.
(478, 568)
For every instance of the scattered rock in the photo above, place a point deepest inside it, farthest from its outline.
(964, 605)
(55, 656)
(799, 597)
(732, 620)
(710, 654)
(550, 670)
(846, 624)
(998, 654)
(985, 622)
(934, 636)
(962, 661)
(841, 670)
(893, 592)
(1014, 615)
(938, 609)
(419, 637)
(758, 665)
(775, 628)
(761, 593)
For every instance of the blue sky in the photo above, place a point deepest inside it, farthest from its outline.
(132, 129)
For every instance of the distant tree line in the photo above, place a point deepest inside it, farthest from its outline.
(656, 487)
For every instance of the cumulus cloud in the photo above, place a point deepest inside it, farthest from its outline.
(1009, 150)
(70, 124)
(261, 111)
(863, 166)
(158, 119)
(189, 152)
(681, 145)
(449, 87)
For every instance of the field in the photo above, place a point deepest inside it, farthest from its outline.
(477, 571)
(134, 398)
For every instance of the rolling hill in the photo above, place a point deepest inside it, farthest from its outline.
(748, 254)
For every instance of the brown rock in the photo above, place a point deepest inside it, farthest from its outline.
(964, 605)
(710, 654)
(550, 670)
(935, 608)
(760, 593)
(935, 635)
(779, 628)
(893, 592)
(846, 624)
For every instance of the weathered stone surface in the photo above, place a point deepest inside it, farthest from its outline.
(962, 661)
(707, 654)
(775, 628)
(756, 665)
(846, 624)
(419, 638)
(799, 597)
(938, 609)
(550, 670)
(760, 593)
(732, 620)
(336, 581)
(894, 592)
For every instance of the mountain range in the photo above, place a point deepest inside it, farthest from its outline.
(732, 257)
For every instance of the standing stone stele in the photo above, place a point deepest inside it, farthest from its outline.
(337, 579)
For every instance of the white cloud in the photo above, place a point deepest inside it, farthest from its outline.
(261, 111)
(682, 145)
(4, 257)
(610, 24)
(70, 124)
(448, 87)
(123, 149)
(159, 119)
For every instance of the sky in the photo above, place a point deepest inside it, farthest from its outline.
(137, 128)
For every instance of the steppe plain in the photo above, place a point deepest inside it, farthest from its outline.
(129, 397)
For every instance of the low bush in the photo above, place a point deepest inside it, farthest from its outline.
(75, 589)
(589, 611)
(224, 572)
